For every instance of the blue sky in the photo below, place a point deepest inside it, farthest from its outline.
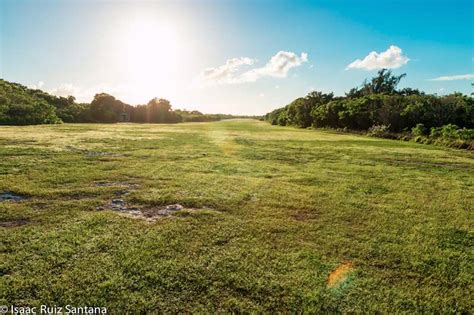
(233, 56)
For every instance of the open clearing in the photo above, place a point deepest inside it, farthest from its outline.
(273, 219)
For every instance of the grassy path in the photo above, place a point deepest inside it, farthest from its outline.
(282, 209)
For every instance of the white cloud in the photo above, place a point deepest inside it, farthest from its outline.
(454, 77)
(391, 58)
(65, 89)
(278, 67)
(226, 72)
(38, 85)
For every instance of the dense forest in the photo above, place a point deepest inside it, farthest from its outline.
(379, 109)
(20, 105)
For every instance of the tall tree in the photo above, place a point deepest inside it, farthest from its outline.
(384, 82)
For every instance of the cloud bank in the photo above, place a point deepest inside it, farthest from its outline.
(392, 58)
(277, 67)
(454, 77)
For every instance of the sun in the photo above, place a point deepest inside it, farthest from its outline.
(151, 54)
(152, 48)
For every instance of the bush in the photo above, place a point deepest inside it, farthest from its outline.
(379, 131)
(466, 134)
(19, 107)
(376, 103)
(450, 131)
(435, 132)
(419, 130)
(381, 110)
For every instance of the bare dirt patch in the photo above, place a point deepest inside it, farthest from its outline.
(339, 275)
(10, 196)
(90, 153)
(302, 215)
(163, 211)
(146, 213)
(14, 223)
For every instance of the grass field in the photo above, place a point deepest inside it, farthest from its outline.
(270, 214)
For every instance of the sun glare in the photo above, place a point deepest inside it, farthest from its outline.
(152, 52)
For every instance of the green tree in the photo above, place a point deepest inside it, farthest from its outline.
(385, 82)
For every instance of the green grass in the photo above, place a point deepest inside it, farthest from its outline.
(287, 207)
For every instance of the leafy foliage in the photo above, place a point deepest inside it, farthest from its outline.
(20, 105)
(419, 130)
(384, 82)
(378, 103)
(380, 131)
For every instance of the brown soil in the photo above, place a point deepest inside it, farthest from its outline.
(148, 214)
(303, 215)
(13, 223)
(155, 212)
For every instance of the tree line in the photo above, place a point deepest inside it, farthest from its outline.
(380, 109)
(20, 105)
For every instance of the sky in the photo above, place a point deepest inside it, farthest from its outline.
(237, 57)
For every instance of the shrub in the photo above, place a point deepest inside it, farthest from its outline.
(449, 131)
(452, 132)
(419, 130)
(466, 134)
(380, 131)
(435, 132)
